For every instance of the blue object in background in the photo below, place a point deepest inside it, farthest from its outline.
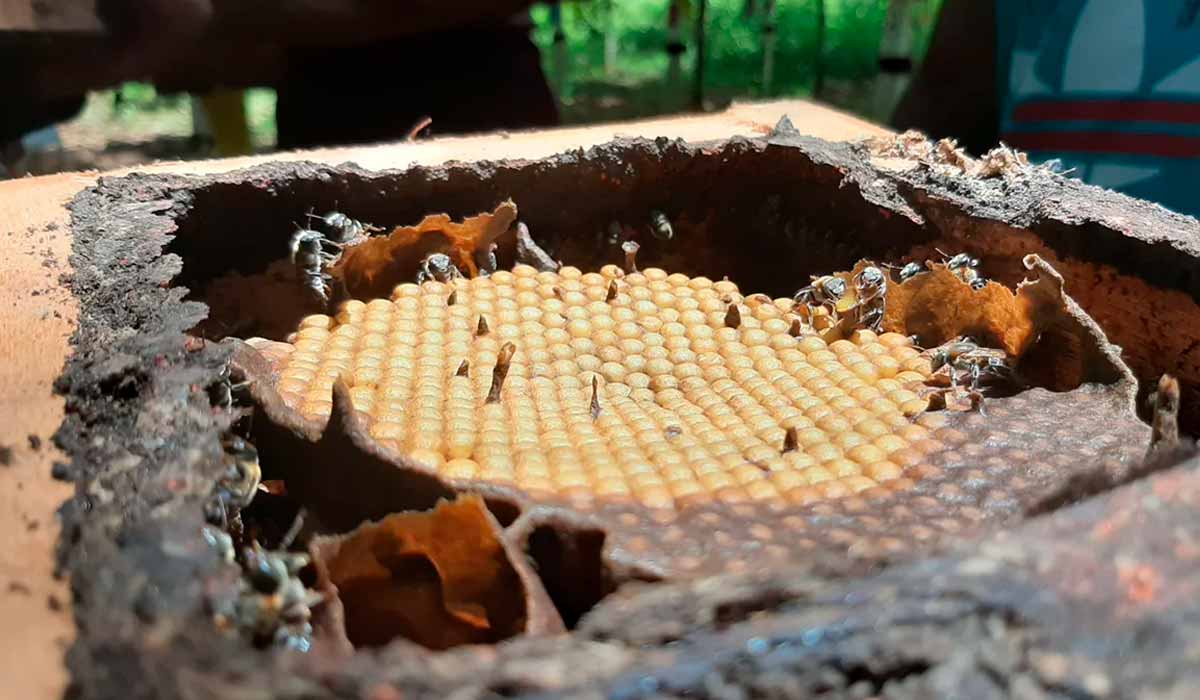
(1109, 87)
(44, 139)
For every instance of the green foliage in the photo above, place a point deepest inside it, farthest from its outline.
(260, 116)
(734, 61)
(845, 55)
(132, 99)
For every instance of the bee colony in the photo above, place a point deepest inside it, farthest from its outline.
(472, 428)
(643, 396)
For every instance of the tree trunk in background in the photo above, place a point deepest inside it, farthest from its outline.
(611, 38)
(819, 53)
(675, 46)
(698, 84)
(770, 35)
(895, 59)
(561, 58)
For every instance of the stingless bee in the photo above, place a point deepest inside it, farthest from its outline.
(437, 267)
(272, 605)
(978, 363)
(310, 254)
(311, 249)
(965, 268)
(824, 291)
(910, 271)
(220, 541)
(320, 286)
(242, 475)
(660, 226)
(341, 228)
(957, 262)
(870, 286)
(224, 392)
(485, 260)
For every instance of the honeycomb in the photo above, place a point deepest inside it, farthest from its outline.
(651, 387)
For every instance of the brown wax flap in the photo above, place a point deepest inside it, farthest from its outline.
(440, 578)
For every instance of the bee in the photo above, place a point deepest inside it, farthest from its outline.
(338, 227)
(439, 267)
(660, 226)
(824, 291)
(979, 364)
(311, 253)
(870, 286)
(294, 630)
(486, 260)
(310, 249)
(958, 262)
(220, 541)
(224, 392)
(910, 271)
(612, 233)
(268, 571)
(964, 267)
(965, 356)
(273, 606)
(319, 286)
(239, 482)
(237, 485)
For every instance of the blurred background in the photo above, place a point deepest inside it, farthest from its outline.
(602, 60)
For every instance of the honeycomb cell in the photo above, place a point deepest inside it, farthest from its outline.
(549, 383)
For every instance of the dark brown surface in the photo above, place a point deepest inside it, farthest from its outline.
(1097, 599)
(323, 55)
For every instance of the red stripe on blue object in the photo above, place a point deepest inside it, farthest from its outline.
(1161, 145)
(1128, 110)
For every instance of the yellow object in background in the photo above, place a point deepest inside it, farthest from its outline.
(226, 111)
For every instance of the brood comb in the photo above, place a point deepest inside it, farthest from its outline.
(707, 427)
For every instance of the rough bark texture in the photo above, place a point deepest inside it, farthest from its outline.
(1098, 600)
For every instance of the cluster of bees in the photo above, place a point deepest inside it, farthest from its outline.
(657, 223)
(314, 250)
(271, 605)
(962, 265)
(962, 368)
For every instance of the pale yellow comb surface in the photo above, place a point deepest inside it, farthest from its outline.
(689, 408)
